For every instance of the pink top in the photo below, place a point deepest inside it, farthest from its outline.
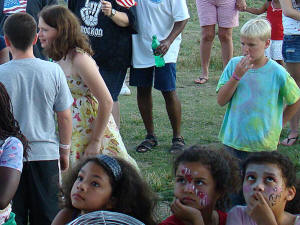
(238, 215)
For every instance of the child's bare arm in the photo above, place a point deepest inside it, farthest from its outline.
(226, 92)
(258, 11)
(288, 10)
(290, 111)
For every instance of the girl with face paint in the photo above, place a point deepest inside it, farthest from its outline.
(269, 185)
(203, 179)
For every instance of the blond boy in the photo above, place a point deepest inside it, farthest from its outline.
(255, 88)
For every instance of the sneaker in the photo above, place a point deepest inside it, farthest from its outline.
(125, 90)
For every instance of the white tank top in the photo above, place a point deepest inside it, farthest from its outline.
(291, 26)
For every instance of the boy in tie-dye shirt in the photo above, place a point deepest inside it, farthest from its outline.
(256, 89)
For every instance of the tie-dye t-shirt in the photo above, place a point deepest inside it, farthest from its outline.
(11, 153)
(253, 119)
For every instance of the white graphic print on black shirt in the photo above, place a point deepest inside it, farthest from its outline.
(89, 15)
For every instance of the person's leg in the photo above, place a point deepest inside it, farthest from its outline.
(294, 70)
(173, 107)
(142, 78)
(225, 37)
(20, 201)
(144, 100)
(228, 17)
(116, 113)
(291, 56)
(114, 80)
(207, 13)
(43, 182)
(207, 37)
(165, 81)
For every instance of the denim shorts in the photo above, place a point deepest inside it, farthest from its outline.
(114, 81)
(164, 77)
(291, 48)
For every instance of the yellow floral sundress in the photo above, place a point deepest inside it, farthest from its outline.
(84, 111)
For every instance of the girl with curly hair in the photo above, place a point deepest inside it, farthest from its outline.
(12, 143)
(203, 180)
(105, 183)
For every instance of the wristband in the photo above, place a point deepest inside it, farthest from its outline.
(235, 77)
(65, 147)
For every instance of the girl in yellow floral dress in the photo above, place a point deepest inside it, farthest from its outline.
(94, 129)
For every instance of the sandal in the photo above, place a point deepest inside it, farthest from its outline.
(201, 80)
(289, 141)
(177, 145)
(147, 144)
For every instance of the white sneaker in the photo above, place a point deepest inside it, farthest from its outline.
(125, 90)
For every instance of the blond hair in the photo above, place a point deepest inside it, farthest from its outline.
(257, 28)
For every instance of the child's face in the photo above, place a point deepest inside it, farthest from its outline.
(194, 185)
(267, 179)
(255, 48)
(47, 34)
(92, 190)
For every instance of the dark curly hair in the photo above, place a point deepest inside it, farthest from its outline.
(223, 167)
(8, 125)
(69, 35)
(133, 195)
(288, 171)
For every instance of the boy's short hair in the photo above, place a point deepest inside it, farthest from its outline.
(257, 28)
(20, 29)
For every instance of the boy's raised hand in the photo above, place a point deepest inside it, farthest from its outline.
(259, 210)
(243, 66)
(187, 214)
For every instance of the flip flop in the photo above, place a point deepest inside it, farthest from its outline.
(147, 144)
(290, 141)
(201, 80)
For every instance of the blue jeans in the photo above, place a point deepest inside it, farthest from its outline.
(291, 48)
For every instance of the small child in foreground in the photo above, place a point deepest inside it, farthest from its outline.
(203, 180)
(105, 183)
(269, 187)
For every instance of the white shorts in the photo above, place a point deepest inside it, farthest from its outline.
(274, 51)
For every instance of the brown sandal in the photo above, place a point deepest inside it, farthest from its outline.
(147, 144)
(177, 145)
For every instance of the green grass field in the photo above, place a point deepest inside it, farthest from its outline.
(201, 115)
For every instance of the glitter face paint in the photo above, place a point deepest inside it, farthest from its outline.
(190, 186)
(264, 178)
